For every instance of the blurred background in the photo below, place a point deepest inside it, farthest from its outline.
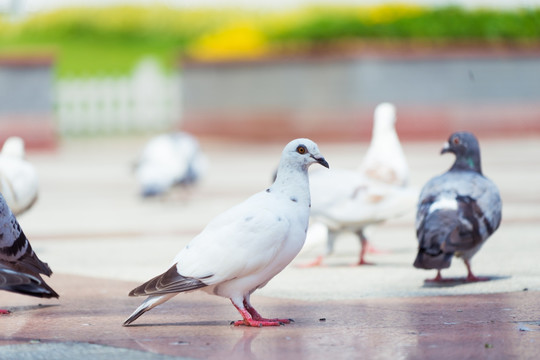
(270, 70)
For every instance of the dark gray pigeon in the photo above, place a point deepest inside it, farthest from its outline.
(457, 211)
(20, 268)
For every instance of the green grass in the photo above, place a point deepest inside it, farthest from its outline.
(96, 57)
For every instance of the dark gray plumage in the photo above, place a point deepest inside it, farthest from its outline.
(457, 211)
(20, 268)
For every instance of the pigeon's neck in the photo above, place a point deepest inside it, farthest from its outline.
(292, 182)
(470, 162)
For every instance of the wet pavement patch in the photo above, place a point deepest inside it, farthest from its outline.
(75, 350)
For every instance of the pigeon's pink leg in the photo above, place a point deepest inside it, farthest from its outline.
(257, 320)
(363, 249)
(437, 279)
(4, 312)
(470, 276)
(440, 280)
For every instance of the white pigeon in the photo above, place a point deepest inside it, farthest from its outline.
(240, 250)
(18, 178)
(385, 160)
(169, 160)
(351, 200)
(20, 268)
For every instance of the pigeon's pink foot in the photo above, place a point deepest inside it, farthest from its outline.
(4, 312)
(256, 323)
(252, 318)
(280, 321)
(471, 277)
(317, 262)
(363, 262)
(439, 279)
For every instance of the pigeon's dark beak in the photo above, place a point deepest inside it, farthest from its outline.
(323, 162)
(446, 148)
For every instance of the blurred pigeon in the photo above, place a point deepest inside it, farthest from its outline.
(169, 160)
(385, 160)
(243, 248)
(20, 268)
(457, 211)
(18, 178)
(350, 201)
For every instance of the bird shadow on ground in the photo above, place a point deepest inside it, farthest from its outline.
(451, 282)
(354, 264)
(17, 309)
(188, 323)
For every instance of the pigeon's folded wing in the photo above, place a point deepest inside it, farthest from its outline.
(235, 244)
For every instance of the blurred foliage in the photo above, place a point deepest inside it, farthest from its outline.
(401, 21)
(112, 39)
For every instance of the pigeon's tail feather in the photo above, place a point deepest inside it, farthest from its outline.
(424, 260)
(168, 282)
(434, 235)
(150, 303)
(162, 288)
(25, 284)
(41, 290)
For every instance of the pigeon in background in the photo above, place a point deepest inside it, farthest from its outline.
(167, 161)
(18, 178)
(385, 160)
(457, 211)
(20, 268)
(243, 248)
(351, 200)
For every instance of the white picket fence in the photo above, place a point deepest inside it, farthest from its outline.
(146, 101)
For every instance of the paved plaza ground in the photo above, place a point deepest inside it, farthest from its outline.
(101, 240)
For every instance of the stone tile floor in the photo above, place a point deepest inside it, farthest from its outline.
(102, 240)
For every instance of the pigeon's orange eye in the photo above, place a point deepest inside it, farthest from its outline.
(301, 149)
(456, 141)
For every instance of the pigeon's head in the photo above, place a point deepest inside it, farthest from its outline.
(14, 146)
(303, 152)
(465, 146)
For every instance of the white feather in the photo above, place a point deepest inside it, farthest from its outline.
(444, 203)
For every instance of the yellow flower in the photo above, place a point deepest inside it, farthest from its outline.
(233, 41)
(387, 13)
